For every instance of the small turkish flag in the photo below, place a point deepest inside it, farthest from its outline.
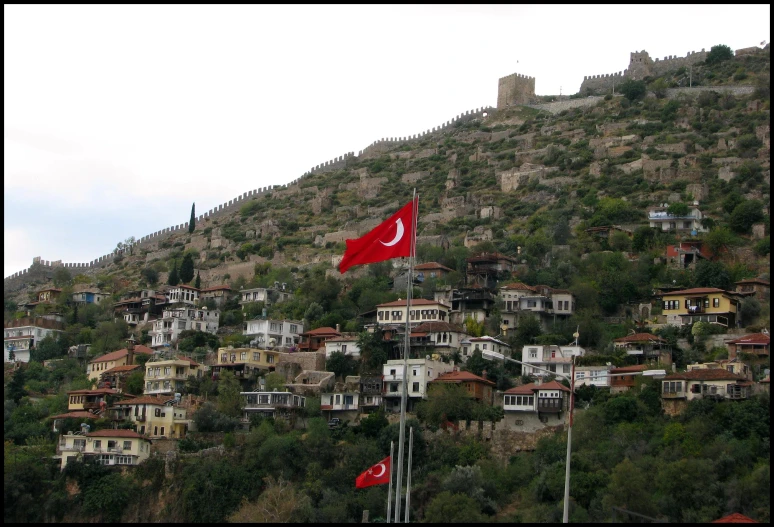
(392, 238)
(379, 474)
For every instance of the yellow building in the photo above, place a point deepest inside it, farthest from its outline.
(243, 362)
(95, 400)
(168, 377)
(701, 304)
(106, 447)
(121, 357)
(155, 416)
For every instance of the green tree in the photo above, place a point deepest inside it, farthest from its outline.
(632, 89)
(192, 221)
(453, 508)
(473, 327)
(659, 87)
(749, 310)
(719, 239)
(15, 390)
(229, 400)
(712, 274)
(678, 209)
(174, 278)
(62, 277)
(135, 383)
(445, 402)
(718, 54)
(341, 364)
(198, 281)
(150, 275)
(187, 269)
(528, 328)
(274, 381)
(745, 215)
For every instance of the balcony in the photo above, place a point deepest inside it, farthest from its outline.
(396, 377)
(140, 418)
(550, 406)
(673, 395)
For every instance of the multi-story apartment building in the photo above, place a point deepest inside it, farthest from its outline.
(273, 334)
(705, 304)
(105, 447)
(219, 294)
(245, 362)
(597, 376)
(182, 294)
(689, 223)
(557, 359)
(174, 321)
(420, 372)
(155, 416)
(140, 306)
(278, 405)
(421, 311)
(168, 377)
(20, 336)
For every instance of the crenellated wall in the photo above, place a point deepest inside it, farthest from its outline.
(515, 89)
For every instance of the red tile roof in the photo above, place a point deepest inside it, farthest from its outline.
(461, 376)
(532, 387)
(414, 302)
(696, 291)
(97, 391)
(640, 337)
(431, 265)
(115, 355)
(518, 286)
(754, 281)
(323, 331)
(216, 288)
(709, 374)
(119, 369)
(754, 338)
(80, 414)
(629, 369)
(188, 359)
(148, 399)
(735, 518)
(115, 433)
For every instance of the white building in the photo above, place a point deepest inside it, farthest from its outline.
(437, 338)
(421, 311)
(167, 329)
(557, 359)
(485, 343)
(283, 333)
(20, 336)
(597, 376)
(344, 344)
(184, 294)
(266, 295)
(420, 372)
(662, 220)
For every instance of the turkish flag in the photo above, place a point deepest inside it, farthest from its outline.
(392, 238)
(379, 474)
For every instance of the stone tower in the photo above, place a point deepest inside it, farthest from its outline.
(639, 65)
(515, 89)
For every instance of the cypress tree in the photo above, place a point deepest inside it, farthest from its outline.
(192, 221)
(198, 282)
(174, 279)
(187, 269)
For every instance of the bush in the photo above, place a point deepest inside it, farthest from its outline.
(633, 90)
(745, 215)
(718, 54)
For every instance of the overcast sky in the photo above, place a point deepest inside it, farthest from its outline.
(117, 118)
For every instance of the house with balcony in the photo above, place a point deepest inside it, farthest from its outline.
(677, 389)
(532, 407)
(245, 363)
(89, 296)
(548, 304)
(754, 286)
(343, 401)
(110, 360)
(472, 302)
(688, 224)
(395, 313)
(346, 344)
(154, 416)
(219, 294)
(556, 359)
(96, 400)
(624, 378)
(140, 306)
(645, 347)
(182, 294)
(275, 334)
(436, 338)
(267, 295)
(486, 269)
(420, 373)
(277, 405)
(700, 304)
(166, 330)
(753, 345)
(44, 296)
(478, 388)
(315, 339)
(20, 336)
(731, 365)
(168, 377)
(484, 344)
(596, 376)
(105, 447)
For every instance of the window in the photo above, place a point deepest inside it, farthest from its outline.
(673, 387)
(392, 372)
(393, 387)
(349, 400)
(415, 387)
(270, 359)
(162, 430)
(123, 460)
(343, 348)
(243, 355)
(338, 399)
(224, 358)
(715, 302)
(415, 372)
(97, 444)
(533, 353)
(256, 356)
(293, 328)
(381, 315)
(127, 445)
(111, 444)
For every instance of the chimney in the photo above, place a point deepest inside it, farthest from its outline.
(338, 328)
(130, 350)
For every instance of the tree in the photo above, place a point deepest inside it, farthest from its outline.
(745, 215)
(174, 278)
(719, 239)
(135, 383)
(678, 209)
(749, 310)
(659, 87)
(198, 282)
(341, 364)
(15, 390)
(712, 274)
(632, 89)
(192, 221)
(187, 269)
(280, 502)
(718, 54)
(62, 277)
(274, 382)
(473, 327)
(453, 508)
(528, 327)
(229, 399)
(150, 275)
(445, 402)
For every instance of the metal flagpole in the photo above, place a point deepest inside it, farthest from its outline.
(566, 511)
(389, 490)
(406, 347)
(408, 473)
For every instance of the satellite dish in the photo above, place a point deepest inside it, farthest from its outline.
(576, 334)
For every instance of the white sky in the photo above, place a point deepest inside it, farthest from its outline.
(117, 118)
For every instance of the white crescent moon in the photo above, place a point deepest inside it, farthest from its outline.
(398, 235)
(384, 469)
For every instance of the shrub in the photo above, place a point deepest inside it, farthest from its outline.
(633, 90)
(718, 54)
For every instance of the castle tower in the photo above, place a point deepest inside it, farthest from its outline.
(639, 65)
(515, 89)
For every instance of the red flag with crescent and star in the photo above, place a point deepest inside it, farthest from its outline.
(392, 238)
(379, 474)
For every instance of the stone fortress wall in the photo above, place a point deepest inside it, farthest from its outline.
(515, 89)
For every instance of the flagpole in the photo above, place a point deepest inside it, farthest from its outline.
(389, 490)
(408, 473)
(406, 349)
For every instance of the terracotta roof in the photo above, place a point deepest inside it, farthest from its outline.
(754, 338)
(97, 391)
(50, 289)
(431, 265)
(461, 376)
(414, 302)
(766, 379)
(418, 334)
(80, 414)
(115, 355)
(518, 286)
(629, 369)
(438, 326)
(735, 518)
(753, 281)
(119, 369)
(697, 291)
(148, 399)
(34, 322)
(115, 433)
(188, 359)
(532, 387)
(640, 337)
(709, 374)
(322, 331)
